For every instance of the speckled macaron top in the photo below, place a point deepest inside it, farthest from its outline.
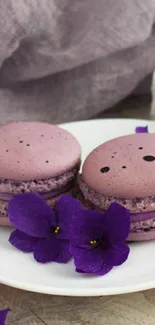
(36, 151)
(123, 167)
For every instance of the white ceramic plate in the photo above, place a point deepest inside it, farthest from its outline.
(138, 273)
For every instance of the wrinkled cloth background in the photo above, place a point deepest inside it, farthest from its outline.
(65, 60)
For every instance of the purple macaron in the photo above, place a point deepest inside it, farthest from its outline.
(122, 170)
(36, 157)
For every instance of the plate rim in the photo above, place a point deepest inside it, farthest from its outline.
(86, 292)
(78, 292)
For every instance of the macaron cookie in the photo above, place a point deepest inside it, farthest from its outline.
(36, 157)
(122, 170)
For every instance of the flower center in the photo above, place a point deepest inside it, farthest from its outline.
(94, 243)
(56, 230)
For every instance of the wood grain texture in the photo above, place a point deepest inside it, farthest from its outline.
(132, 309)
(36, 309)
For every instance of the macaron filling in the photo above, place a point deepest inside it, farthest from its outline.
(49, 195)
(49, 190)
(143, 226)
(141, 222)
(39, 186)
(135, 205)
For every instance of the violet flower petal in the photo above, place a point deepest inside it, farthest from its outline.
(116, 255)
(66, 208)
(3, 315)
(117, 223)
(31, 214)
(89, 260)
(23, 242)
(105, 269)
(64, 253)
(86, 225)
(80, 271)
(141, 129)
(47, 250)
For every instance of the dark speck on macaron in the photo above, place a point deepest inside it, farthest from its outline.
(47, 161)
(21, 141)
(28, 145)
(104, 169)
(140, 148)
(123, 167)
(149, 158)
(7, 150)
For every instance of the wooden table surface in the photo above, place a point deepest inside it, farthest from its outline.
(37, 309)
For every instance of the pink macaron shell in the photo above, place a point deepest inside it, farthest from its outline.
(32, 151)
(125, 172)
(4, 221)
(141, 236)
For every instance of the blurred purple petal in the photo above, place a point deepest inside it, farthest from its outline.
(23, 242)
(47, 250)
(80, 271)
(3, 316)
(64, 253)
(31, 214)
(66, 208)
(86, 225)
(117, 255)
(141, 129)
(87, 260)
(117, 222)
(105, 269)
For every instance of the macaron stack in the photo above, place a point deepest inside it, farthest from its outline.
(36, 157)
(122, 170)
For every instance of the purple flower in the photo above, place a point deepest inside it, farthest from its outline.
(3, 315)
(97, 239)
(41, 230)
(141, 129)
